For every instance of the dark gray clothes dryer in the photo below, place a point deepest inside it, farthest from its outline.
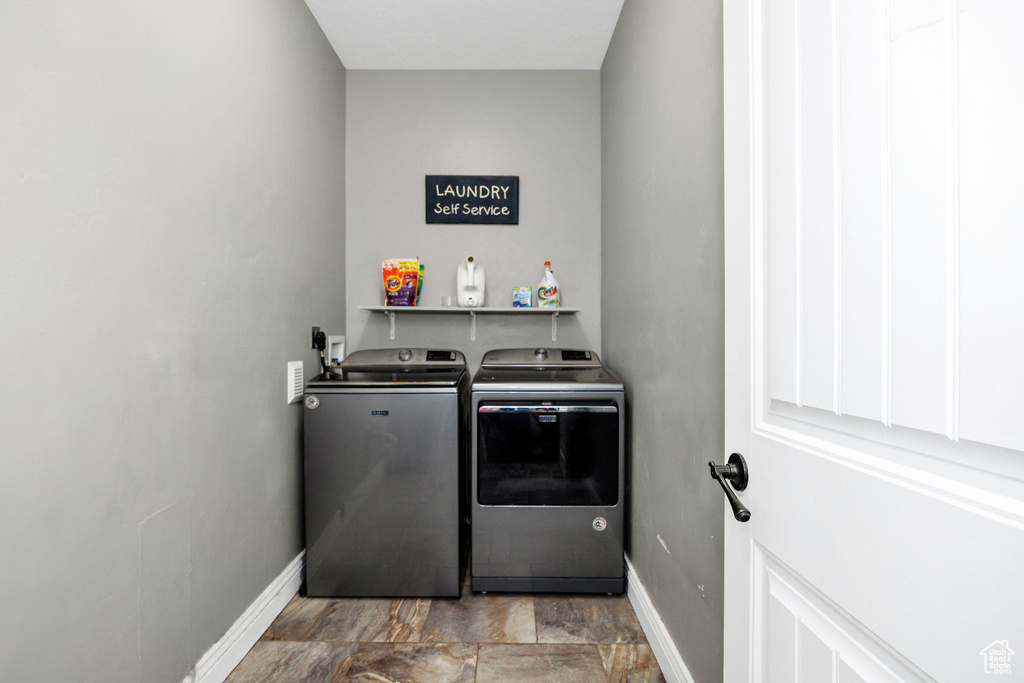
(547, 473)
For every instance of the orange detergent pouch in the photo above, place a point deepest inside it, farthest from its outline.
(401, 279)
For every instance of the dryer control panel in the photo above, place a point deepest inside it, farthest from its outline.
(540, 358)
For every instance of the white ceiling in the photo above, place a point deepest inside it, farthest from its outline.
(468, 34)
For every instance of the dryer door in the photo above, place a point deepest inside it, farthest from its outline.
(550, 453)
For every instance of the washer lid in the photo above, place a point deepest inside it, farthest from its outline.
(411, 367)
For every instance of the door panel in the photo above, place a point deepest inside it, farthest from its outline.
(781, 123)
(808, 639)
(814, 260)
(918, 68)
(991, 178)
(912, 558)
(892, 213)
(874, 316)
(859, 262)
(863, 179)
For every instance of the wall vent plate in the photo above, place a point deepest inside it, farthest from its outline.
(296, 383)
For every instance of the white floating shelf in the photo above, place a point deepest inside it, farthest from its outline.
(554, 312)
(460, 310)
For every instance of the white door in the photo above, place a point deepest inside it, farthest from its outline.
(874, 274)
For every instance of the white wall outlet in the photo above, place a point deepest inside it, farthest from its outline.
(296, 382)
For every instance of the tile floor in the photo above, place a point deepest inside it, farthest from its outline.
(476, 638)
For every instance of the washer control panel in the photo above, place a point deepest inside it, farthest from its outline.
(378, 359)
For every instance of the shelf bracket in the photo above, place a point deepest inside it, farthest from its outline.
(554, 326)
(391, 316)
(472, 326)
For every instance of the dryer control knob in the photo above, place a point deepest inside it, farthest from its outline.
(540, 354)
(405, 355)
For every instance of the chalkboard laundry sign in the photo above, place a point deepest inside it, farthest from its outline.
(473, 199)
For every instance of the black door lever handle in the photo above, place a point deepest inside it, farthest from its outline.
(736, 472)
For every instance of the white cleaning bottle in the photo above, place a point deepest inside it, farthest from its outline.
(547, 290)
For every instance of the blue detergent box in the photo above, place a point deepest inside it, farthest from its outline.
(521, 297)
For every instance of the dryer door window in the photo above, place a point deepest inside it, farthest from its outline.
(548, 454)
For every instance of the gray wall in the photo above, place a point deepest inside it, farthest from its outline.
(543, 126)
(171, 224)
(662, 224)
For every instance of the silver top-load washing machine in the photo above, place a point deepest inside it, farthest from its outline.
(384, 467)
(547, 473)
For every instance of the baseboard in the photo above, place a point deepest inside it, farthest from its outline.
(221, 659)
(669, 659)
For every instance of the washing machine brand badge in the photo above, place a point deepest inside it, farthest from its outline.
(600, 523)
(312, 402)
